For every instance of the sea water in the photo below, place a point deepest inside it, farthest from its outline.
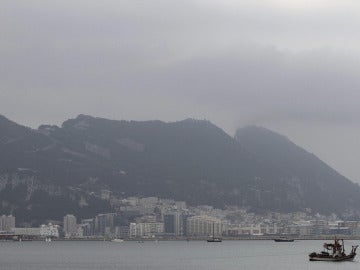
(166, 255)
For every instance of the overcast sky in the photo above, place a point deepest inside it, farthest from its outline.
(291, 66)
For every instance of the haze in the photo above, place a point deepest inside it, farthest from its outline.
(291, 66)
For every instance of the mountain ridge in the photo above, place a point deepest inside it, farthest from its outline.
(191, 160)
(295, 161)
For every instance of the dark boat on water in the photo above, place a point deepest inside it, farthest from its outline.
(214, 239)
(333, 252)
(283, 239)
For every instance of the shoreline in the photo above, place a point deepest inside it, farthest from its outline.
(238, 238)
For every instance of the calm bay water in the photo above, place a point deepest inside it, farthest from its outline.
(166, 255)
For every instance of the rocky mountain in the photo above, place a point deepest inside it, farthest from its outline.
(51, 171)
(307, 180)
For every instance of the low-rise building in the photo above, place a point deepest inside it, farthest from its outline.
(49, 230)
(27, 231)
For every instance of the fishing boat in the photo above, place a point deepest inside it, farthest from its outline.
(214, 239)
(333, 252)
(283, 239)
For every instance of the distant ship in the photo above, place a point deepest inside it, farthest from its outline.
(283, 239)
(214, 239)
(333, 252)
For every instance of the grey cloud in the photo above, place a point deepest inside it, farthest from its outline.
(275, 63)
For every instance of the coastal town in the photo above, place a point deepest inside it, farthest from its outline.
(156, 218)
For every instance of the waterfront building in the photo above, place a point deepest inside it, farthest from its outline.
(354, 226)
(302, 229)
(104, 224)
(255, 229)
(27, 231)
(49, 230)
(132, 230)
(339, 230)
(320, 227)
(203, 226)
(7, 223)
(172, 224)
(146, 230)
(70, 226)
(184, 218)
(88, 227)
(79, 231)
(122, 232)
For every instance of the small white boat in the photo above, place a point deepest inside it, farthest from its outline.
(117, 240)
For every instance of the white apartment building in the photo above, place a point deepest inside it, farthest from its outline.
(70, 226)
(7, 223)
(146, 229)
(258, 229)
(203, 226)
(49, 230)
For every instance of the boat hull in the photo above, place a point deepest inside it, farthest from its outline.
(331, 259)
(284, 240)
(328, 258)
(214, 240)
